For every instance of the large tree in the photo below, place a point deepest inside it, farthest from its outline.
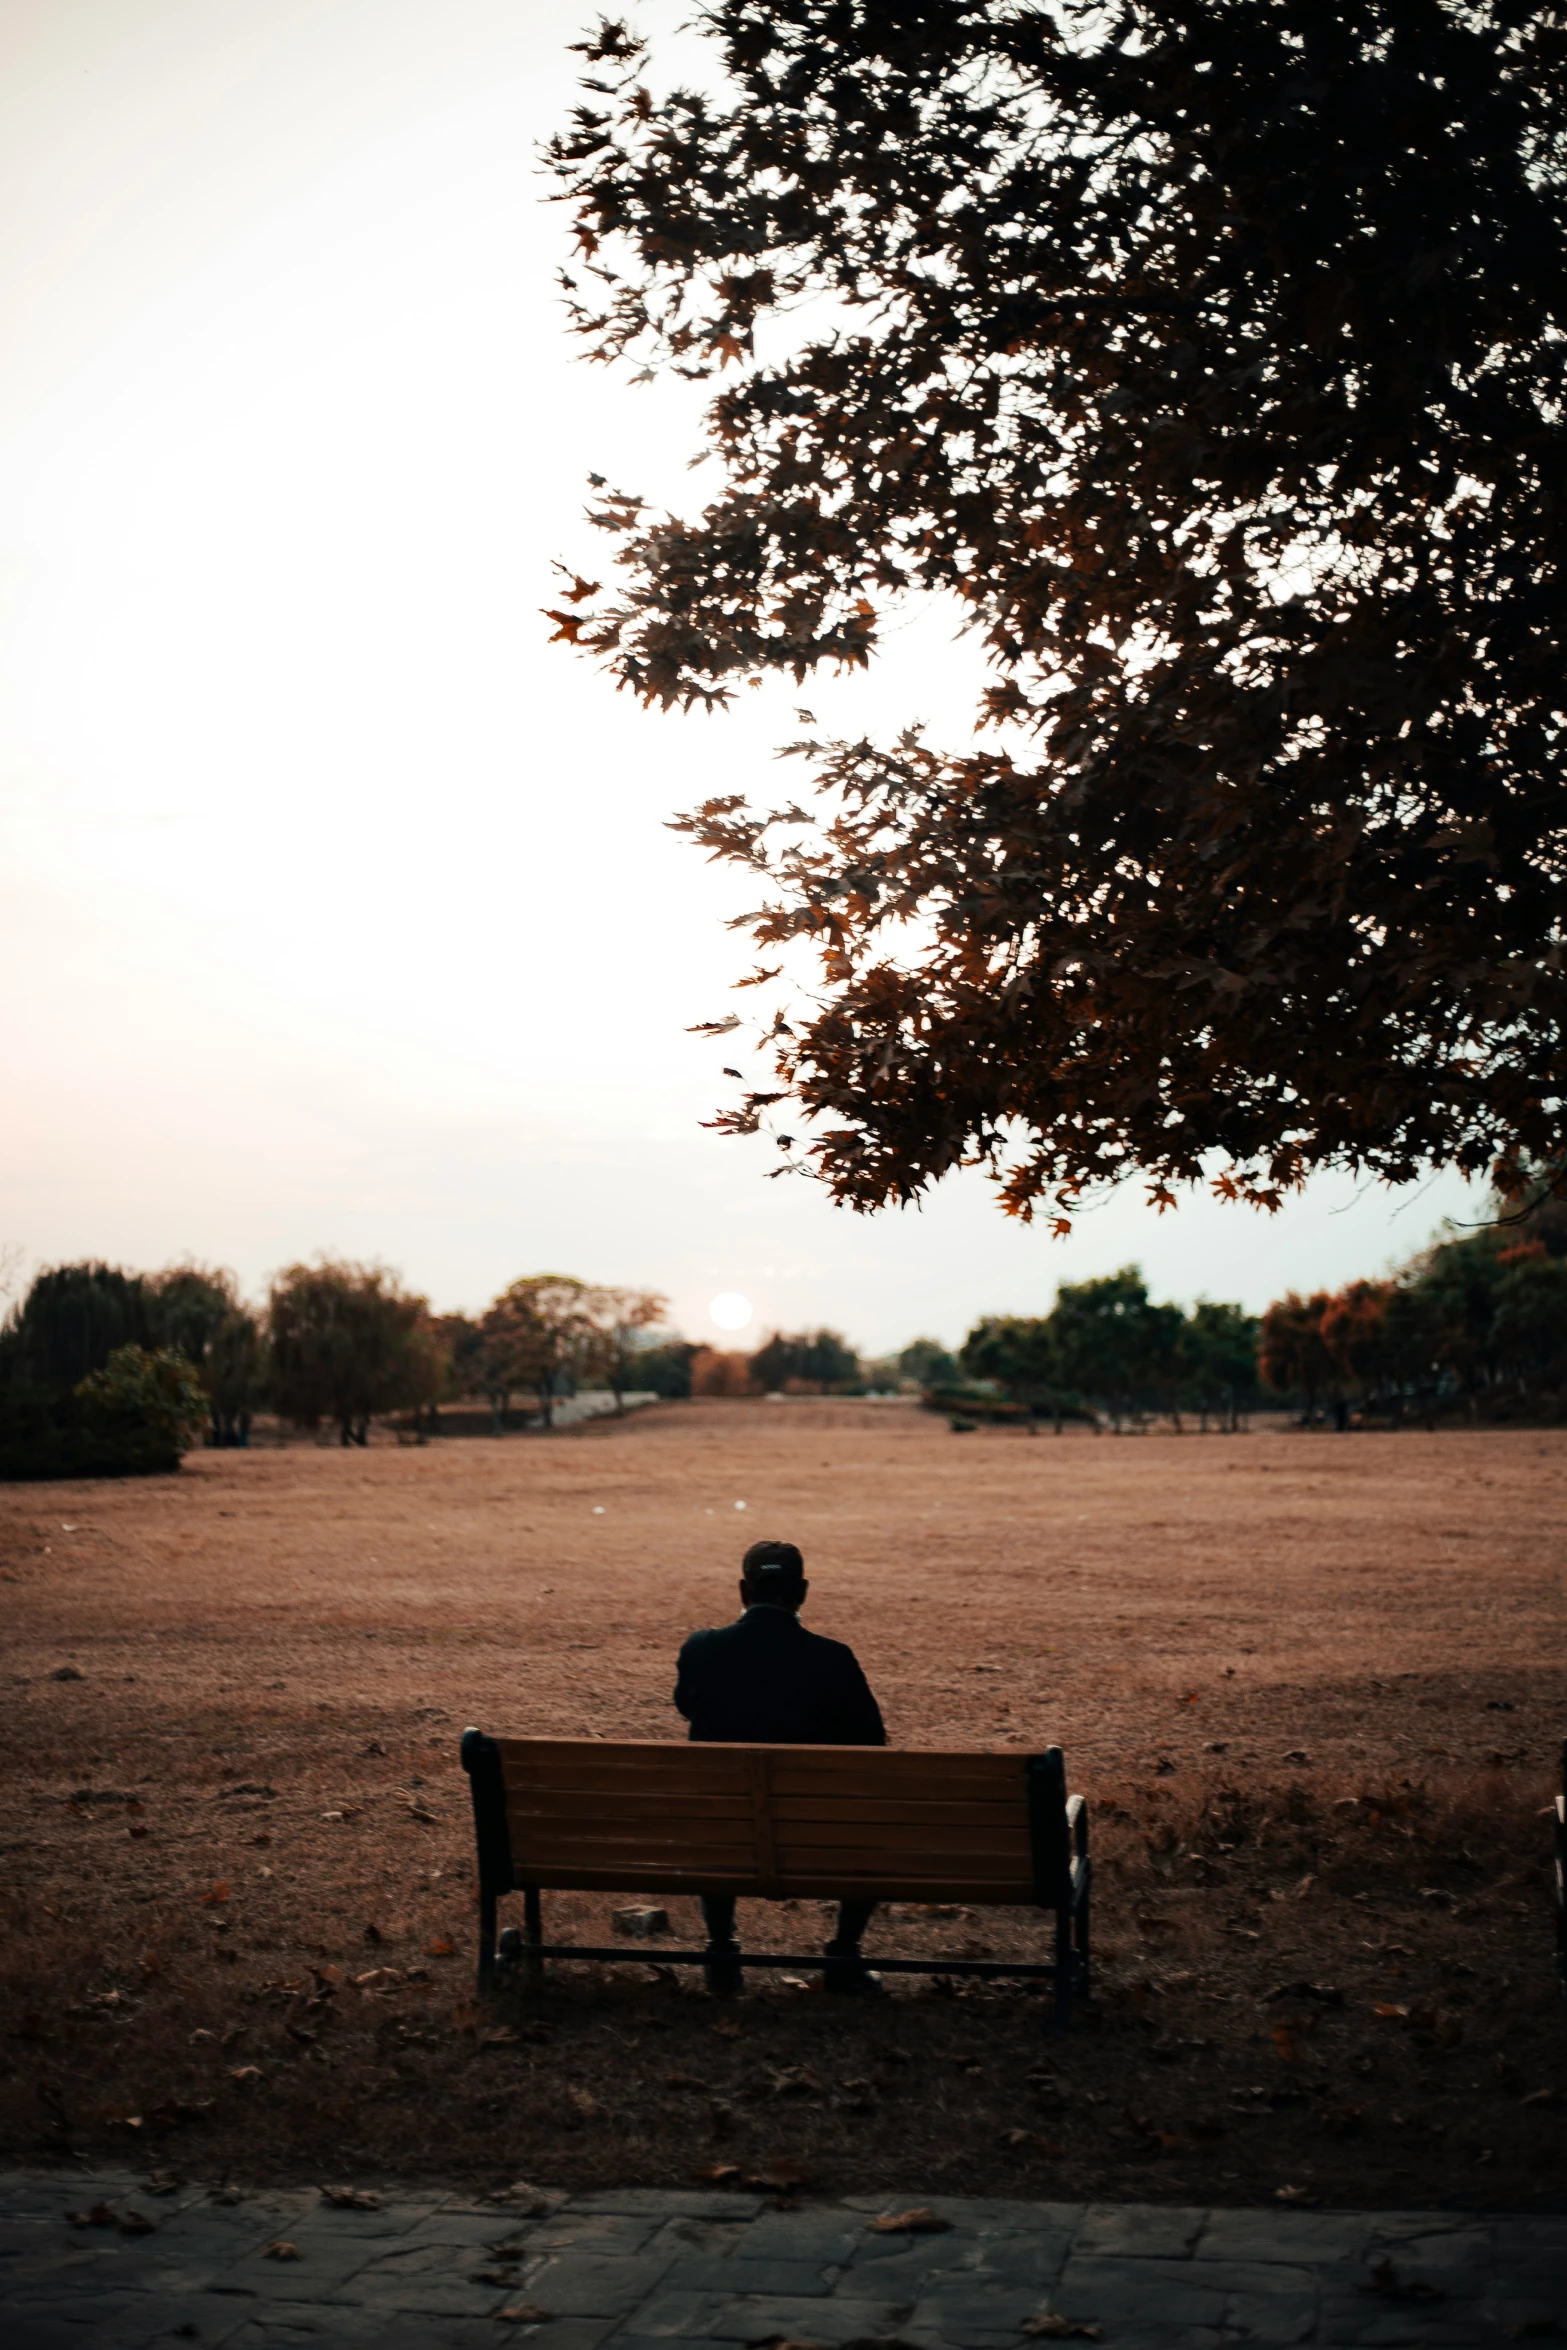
(1209, 356)
(348, 1342)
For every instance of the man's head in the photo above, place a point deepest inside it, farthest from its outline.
(772, 1574)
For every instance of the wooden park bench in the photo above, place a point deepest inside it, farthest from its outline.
(784, 1822)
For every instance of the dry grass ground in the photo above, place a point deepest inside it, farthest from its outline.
(1312, 1686)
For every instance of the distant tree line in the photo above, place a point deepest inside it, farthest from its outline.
(104, 1370)
(1106, 1350)
(1477, 1323)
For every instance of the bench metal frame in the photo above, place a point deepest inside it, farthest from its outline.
(1063, 1882)
(1560, 1826)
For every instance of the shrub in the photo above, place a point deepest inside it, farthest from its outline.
(133, 1418)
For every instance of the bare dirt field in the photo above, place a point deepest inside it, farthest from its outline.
(1311, 1684)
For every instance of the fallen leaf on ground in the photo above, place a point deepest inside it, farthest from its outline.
(779, 2178)
(1284, 2042)
(1295, 2195)
(524, 2313)
(1388, 2009)
(1018, 2139)
(717, 2174)
(1062, 2329)
(280, 2249)
(218, 1895)
(727, 2028)
(920, 2221)
(441, 1947)
(501, 2036)
(243, 2074)
(351, 2198)
(586, 2104)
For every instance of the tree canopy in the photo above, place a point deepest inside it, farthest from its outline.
(1208, 354)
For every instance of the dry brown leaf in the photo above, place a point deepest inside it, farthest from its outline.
(717, 2174)
(218, 1895)
(919, 2221)
(1295, 2195)
(244, 2074)
(779, 2178)
(1284, 2042)
(1050, 2328)
(280, 2249)
(524, 2313)
(100, 2215)
(351, 2198)
(586, 2104)
(441, 1947)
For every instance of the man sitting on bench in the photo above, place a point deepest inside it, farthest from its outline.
(765, 1681)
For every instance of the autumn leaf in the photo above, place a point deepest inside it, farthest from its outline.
(244, 2074)
(1049, 2328)
(441, 1947)
(218, 1895)
(280, 2249)
(717, 2174)
(524, 2313)
(1284, 2042)
(351, 2198)
(920, 2220)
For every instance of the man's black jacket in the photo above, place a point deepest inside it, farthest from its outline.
(766, 1681)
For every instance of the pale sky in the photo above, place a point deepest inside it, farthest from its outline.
(338, 908)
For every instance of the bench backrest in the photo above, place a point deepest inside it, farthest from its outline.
(867, 1822)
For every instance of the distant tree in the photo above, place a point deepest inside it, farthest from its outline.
(1022, 1354)
(713, 1373)
(72, 1319)
(665, 1369)
(1218, 1352)
(819, 1358)
(620, 1317)
(459, 1343)
(1531, 1319)
(1354, 1331)
(199, 1312)
(1295, 1357)
(928, 1362)
(1114, 1344)
(536, 1333)
(347, 1343)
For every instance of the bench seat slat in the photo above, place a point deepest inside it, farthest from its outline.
(825, 1885)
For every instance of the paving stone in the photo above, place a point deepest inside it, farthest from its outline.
(730, 2273)
(1287, 2236)
(662, 2203)
(1139, 2231)
(836, 2318)
(1120, 2292)
(685, 2315)
(1542, 2239)
(828, 2236)
(588, 2284)
(977, 2314)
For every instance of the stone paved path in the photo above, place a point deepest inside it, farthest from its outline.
(637, 2268)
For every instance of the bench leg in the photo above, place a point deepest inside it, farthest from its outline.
(486, 1940)
(532, 1936)
(1085, 1944)
(1065, 1965)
